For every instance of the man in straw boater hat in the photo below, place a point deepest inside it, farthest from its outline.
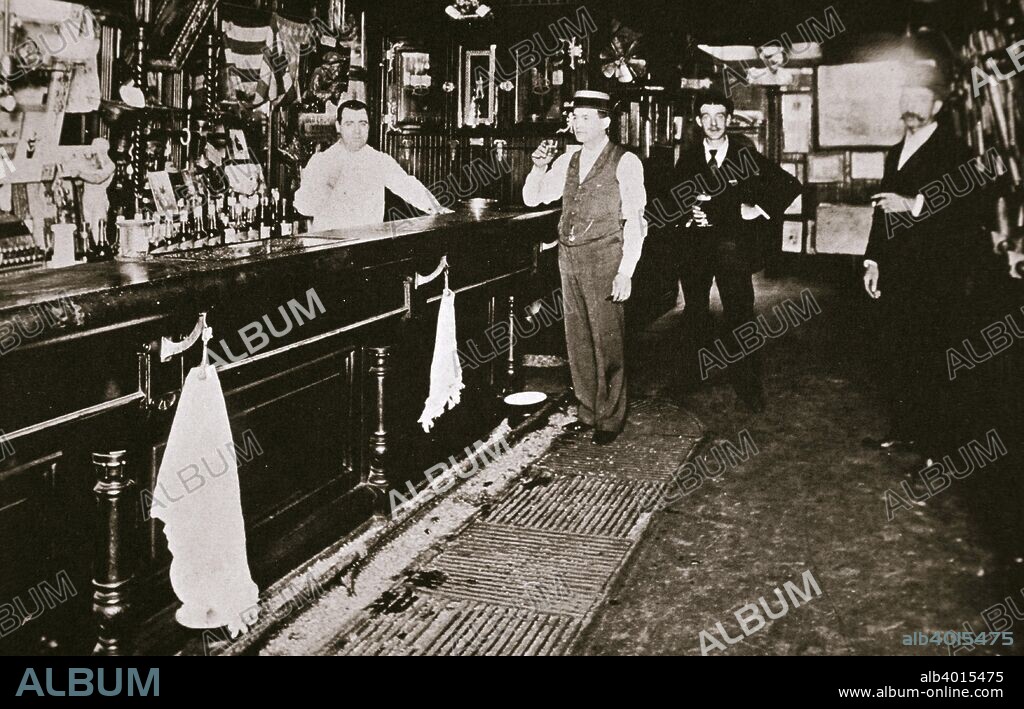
(915, 263)
(600, 235)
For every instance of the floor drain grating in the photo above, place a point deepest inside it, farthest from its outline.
(597, 506)
(439, 626)
(527, 574)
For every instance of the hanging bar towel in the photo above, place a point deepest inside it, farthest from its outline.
(197, 497)
(445, 369)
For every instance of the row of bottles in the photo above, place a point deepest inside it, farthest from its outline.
(17, 252)
(228, 220)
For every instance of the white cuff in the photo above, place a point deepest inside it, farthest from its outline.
(760, 213)
(915, 210)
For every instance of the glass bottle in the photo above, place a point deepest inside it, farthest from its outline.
(287, 221)
(252, 228)
(263, 219)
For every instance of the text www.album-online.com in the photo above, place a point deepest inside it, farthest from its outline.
(889, 692)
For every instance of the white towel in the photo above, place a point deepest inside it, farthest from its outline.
(445, 369)
(197, 497)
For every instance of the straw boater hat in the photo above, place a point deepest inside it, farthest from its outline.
(592, 99)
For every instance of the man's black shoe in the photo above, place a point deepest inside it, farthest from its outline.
(576, 427)
(603, 438)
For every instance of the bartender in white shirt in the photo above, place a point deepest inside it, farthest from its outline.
(343, 186)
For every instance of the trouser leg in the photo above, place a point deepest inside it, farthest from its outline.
(595, 336)
(931, 395)
(737, 293)
(608, 328)
(579, 342)
(695, 275)
(902, 340)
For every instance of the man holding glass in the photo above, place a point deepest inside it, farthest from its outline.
(601, 234)
(727, 191)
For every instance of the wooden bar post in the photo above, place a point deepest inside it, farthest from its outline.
(378, 475)
(511, 368)
(112, 573)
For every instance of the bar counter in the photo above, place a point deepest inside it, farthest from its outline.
(323, 345)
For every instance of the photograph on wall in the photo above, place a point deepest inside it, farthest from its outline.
(866, 166)
(825, 167)
(797, 112)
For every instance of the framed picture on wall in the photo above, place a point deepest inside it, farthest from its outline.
(825, 167)
(797, 110)
(792, 237)
(478, 101)
(867, 166)
(42, 108)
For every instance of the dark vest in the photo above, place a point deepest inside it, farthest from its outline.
(592, 211)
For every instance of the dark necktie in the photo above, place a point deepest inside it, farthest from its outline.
(712, 162)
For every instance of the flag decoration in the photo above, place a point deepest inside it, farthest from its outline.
(290, 38)
(243, 57)
(275, 83)
(263, 60)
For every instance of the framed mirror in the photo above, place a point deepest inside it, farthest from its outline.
(413, 96)
(543, 90)
(478, 103)
(540, 93)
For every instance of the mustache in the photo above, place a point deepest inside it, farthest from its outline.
(910, 114)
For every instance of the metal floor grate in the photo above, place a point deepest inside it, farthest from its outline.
(577, 504)
(525, 576)
(548, 572)
(435, 625)
(644, 458)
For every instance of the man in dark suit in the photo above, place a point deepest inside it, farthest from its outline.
(916, 252)
(735, 191)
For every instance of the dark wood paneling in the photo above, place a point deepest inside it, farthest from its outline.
(302, 403)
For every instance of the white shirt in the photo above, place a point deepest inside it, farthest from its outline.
(340, 188)
(912, 142)
(720, 155)
(546, 186)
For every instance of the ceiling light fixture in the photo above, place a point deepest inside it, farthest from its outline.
(467, 10)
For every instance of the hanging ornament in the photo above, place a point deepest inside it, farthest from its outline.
(575, 52)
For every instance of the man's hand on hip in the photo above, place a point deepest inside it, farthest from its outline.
(750, 211)
(622, 286)
(871, 281)
(892, 202)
